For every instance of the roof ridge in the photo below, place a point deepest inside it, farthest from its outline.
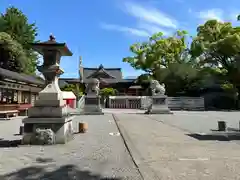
(20, 76)
(103, 68)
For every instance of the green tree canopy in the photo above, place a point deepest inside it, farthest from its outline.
(15, 23)
(167, 60)
(75, 88)
(218, 46)
(12, 55)
(158, 52)
(108, 92)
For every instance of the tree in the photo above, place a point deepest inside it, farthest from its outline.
(75, 88)
(218, 46)
(15, 23)
(12, 55)
(158, 52)
(167, 60)
(108, 92)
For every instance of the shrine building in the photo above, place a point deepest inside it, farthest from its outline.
(18, 91)
(108, 77)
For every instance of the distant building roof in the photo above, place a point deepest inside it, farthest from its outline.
(21, 77)
(65, 81)
(105, 75)
(109, 74)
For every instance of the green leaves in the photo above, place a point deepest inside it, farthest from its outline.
(78, 91)
(12, 54)
(15, 24)
(158, 52)
(108, 92)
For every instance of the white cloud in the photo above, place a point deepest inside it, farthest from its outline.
(149, 20)
(149, 15)
(152, 28)
(128, 30)
(211, 14)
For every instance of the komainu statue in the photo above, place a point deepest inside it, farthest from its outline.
(157, 88)
(92, 88)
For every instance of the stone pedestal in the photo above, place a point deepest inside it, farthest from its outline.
(159, 105)
(48, 122)
(92, 105)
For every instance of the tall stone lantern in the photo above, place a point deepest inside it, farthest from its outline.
(49, 122)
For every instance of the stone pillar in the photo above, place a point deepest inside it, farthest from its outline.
(159, 105)
(159, 101)
(92, 99)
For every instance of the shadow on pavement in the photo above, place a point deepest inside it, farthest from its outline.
(9, 143)
(66, 172)
(215, 137)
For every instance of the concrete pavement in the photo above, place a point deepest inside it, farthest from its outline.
(164, 152)
(149, 147)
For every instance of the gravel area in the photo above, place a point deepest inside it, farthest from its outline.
(93, 155)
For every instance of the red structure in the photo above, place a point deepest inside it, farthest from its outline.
(69, 98)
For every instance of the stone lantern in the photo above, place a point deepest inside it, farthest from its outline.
(49, 122)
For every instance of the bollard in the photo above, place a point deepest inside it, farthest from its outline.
(222, 126)
(21, 130)
(82, 127)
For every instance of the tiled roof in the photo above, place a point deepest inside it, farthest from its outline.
(65, 81)
(115, 73)
(21, 77)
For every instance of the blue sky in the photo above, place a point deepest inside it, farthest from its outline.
(101, 31)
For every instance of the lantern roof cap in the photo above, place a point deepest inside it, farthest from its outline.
(51, 44)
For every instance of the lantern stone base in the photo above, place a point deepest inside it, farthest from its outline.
(159, 105)
(38, 131)
(92, 106)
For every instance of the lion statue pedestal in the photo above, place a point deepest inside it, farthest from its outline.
(92, 99)
(159, 101)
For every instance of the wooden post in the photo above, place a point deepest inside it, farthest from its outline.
(222, 126)
(21, 130)
(82, 127)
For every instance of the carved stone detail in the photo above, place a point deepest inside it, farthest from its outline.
(157, 88)
(44, 136)
(92, 88)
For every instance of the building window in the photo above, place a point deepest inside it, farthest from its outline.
(8, 96)
(25, 97)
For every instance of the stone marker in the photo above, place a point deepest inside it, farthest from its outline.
(159, 101)
(92, 99)
(222, 126)
(49, 122)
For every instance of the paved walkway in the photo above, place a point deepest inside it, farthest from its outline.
(150, 147)
(93, 155)
(124, 111)
(165, 152)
